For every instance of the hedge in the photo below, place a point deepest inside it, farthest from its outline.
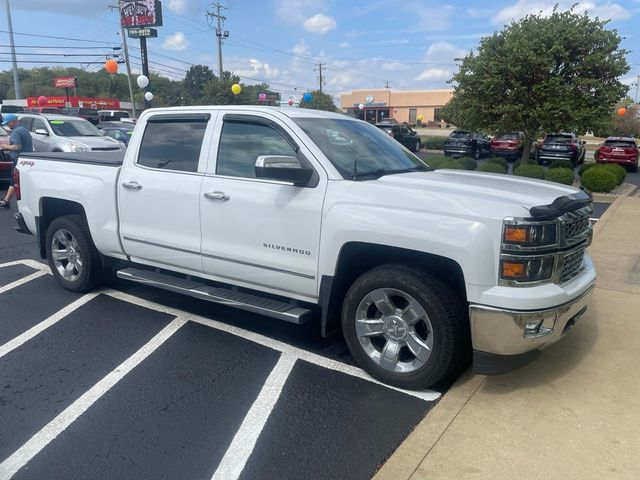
(492, 168)
(432, 143)
(499, 161)
(469, 163)
(617, 170)
(438, 163)
(560, 175)
(530, 171)
(599, 180)
(561, 164)
(585, 167)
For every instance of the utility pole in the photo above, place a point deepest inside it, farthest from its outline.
(387, 84)
(219, 33)
(16, 79)
(319, 69)
(637, 85)
(123, 34)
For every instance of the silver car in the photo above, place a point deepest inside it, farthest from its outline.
(61, 133)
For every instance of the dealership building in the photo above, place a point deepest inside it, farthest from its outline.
(404, 106)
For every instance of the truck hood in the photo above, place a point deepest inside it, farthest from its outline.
(485, 194)
(96, 142)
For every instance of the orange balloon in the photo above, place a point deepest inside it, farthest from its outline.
(111, 66)
(622, 112)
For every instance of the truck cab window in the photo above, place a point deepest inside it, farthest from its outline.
(242, 143)
(172, 145)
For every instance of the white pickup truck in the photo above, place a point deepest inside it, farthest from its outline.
(297, 215)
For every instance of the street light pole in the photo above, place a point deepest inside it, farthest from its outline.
(126, 59)
(16, 80)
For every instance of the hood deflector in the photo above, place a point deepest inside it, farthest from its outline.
(561, 205)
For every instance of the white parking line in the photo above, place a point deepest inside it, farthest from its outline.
(40, 440)
(29, 263)
(22, 281)
(245, 439)
(42, 326)
(298, 353)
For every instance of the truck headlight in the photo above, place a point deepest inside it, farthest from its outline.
(78, 147)
(528, 235)
(527, 269)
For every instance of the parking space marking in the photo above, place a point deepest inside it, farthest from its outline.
(285, 348)
(22, 281)
(244, 441)
(40, 440)
(29, 263)
(42, 326)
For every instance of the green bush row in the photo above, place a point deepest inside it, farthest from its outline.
(560, 175)
(529, 171)
(464, 163)
(432, 143)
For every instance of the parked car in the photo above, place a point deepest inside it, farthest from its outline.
(5, 161)
(403, 134)
(121, 131)
(561, 146)
(620, 150)
(90, 114)
(61, 133)
(471, 144)
(112, 115)
(54, 110)
(508, 145)
(388, 121)
(10, 109)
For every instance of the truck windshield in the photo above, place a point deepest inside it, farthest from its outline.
(74, 128)
(358, 150)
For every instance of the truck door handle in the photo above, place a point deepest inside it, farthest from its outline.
(132, 185)
(217, 196)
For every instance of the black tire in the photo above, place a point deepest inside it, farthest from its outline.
(81, 254)
(416, 147)
(445, 312)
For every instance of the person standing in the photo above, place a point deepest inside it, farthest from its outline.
(19, 141)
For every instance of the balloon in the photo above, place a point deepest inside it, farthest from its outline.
(622, 112)
(236, 89)
(420, 117)
(111, 66)
(361, 106)
(290, 102)
(42, 101)
(142, 81)
(307, 97)
(262, 96)
(148, 96)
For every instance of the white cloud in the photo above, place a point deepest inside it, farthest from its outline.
(607, 10)
(479, 13)
(258, 69)
(177, 42)
(301, 49)
(434, 74)
(429, 16)
(319, 23)
(297, 10)
(178, 6)
(343, 45)
(440, 57)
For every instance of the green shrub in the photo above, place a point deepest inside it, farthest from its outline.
(585, 167)
(499, 161)
(469, 163)
(530, 171)
(492, 168)
(444, 162)
(516, 164)
(560, 175)
(617, 170)
(599, 180)
(432, 143)
(561, 164)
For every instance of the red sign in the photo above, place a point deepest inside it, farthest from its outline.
(140, 13)
(65, 82)
(82, 102)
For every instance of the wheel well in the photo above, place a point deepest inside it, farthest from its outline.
(355, 258)
(50, 209)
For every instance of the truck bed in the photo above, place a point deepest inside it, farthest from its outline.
(107, 159)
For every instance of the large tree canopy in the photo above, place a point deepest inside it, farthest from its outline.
(319, 101)
(541, 74)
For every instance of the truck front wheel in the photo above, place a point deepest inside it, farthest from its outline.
(404, 326)
(72, 256)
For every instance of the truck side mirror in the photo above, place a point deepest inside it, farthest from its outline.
(283, 168)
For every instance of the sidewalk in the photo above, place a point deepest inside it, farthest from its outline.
(574, 413)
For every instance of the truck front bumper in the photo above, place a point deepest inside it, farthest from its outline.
(504, 340)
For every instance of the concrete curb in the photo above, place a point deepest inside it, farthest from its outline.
(604, 198)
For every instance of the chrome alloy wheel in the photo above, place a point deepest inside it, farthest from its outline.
(394, 330)
(66, 255)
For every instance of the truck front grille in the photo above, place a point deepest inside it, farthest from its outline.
(572, 265)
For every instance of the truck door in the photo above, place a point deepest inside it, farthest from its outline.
(258, 232)
(159, 194)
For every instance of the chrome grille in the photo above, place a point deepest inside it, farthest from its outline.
(572, 265)
(574, 228)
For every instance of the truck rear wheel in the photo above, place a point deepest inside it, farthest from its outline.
(404, 326)
(72, 256)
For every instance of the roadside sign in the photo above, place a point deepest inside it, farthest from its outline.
(65, 82)
(140, 13)
(142, 32)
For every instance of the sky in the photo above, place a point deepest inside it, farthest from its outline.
(402, 44)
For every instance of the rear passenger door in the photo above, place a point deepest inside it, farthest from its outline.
(159, 195)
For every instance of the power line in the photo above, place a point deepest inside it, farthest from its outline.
(60, 38)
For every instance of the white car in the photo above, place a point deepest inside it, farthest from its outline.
(61, 133)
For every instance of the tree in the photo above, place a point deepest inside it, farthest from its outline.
(627, 125)
(538, 75)
(319, 101)
(197, 77)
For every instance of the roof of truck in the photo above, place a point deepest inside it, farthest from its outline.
(287, 111)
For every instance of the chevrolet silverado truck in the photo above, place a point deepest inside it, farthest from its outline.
(303, 215)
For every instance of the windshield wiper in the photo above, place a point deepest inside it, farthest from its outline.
(381, 172)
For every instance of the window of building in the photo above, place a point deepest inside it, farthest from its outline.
(172, 144)
(436, 115)
(413, 115)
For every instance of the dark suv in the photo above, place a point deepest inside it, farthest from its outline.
(90, 114)
(561, 146)
(402, 133)
(466, 143)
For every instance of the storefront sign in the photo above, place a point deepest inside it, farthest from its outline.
(86, 102)
(65, 82)
(140, 13)
(142, 32)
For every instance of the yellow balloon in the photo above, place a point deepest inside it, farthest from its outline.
(236, 89)
(420, 117)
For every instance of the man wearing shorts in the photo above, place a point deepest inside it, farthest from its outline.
(19, 141)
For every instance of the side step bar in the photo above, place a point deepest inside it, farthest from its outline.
(287, 311)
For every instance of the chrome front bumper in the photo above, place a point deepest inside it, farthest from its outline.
(512, 333)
